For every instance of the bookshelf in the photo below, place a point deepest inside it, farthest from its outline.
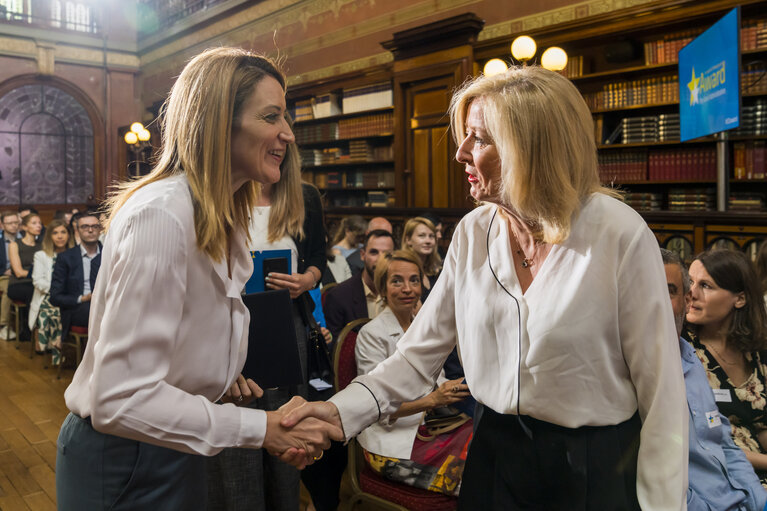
(348, 156)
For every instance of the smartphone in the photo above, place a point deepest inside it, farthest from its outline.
(274, 264)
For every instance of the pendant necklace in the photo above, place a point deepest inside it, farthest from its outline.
(526, 261)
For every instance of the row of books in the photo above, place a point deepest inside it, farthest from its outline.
(753, 34)
(753, 119)
(372, 199)
(666, 50)
(358, 151)
(351, 100)
(657, 165)
(645, 129)
(692, 199)
(365, 126)
(351, 179)
(749, 160)
(574, 67)
(745, 201)
(644, 91)
(644, 201)
(753, 79)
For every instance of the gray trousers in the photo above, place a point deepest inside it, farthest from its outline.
(96, 471)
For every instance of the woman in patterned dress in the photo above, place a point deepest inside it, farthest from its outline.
(727, 327)
(42, 314)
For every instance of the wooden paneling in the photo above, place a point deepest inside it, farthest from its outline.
(421, 195)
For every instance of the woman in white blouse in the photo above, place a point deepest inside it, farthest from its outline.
(168, 329)
(41, 313)
(389, 447)
(555, 294)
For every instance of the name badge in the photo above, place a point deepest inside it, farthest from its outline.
(722, 396)
(713, 419)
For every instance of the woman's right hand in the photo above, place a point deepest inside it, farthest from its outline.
(450, 392)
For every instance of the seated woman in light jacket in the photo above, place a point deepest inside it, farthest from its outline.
(388, 447)
(42, 314)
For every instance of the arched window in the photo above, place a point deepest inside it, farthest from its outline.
(46, 147)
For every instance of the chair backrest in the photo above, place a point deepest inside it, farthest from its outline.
(325, 289)
(344, 363)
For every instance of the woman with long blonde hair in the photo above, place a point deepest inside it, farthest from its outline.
(168, 328)
(420, 236)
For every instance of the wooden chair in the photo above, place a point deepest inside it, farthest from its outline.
(79, 337)
(366, 485)
(325, 289)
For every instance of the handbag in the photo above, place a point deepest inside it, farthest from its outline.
(443, 419)
(319, 363)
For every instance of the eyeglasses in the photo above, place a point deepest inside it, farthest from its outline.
(89, 227)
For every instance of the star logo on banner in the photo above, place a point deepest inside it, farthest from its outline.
(694, 89)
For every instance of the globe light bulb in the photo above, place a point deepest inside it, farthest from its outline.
(144, 135)
(554, 59)
(523, 48)
(494, 67)
(136, 127)
(131, 138)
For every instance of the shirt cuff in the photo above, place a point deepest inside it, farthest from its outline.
(80, 299)
(252, 427)
(357, 407)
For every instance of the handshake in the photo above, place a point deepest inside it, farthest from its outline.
(300, 431)
(297, 433)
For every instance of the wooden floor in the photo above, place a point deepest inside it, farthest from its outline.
(31, 412)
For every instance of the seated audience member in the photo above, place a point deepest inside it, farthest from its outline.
(24, 210)
(354, 260)
(357, 297)
(348, 235)
(720, 476)
(438, 228)
(392, 450)
(420, 236)
(42, 314)
(74, 274)
(337, 269)
(727, 329)
(21, 254)
(761, 268)
(10, 221)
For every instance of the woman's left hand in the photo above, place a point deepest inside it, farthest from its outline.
(242, 392)
(326, 334)
(297, 283)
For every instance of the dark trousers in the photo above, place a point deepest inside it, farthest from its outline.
(96, 471)
(550, 467)
(22, 292)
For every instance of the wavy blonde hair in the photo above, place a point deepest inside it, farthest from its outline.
(544, 134)
(204, 104)
(286, 217)
(433, 262)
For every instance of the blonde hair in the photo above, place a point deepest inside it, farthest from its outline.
(543, 131)
(204, 104)
(382, 268)
(354, 223)
(286, 217)
(433, 262)
(47, 244)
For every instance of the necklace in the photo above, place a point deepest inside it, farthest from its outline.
(719, 355)
(526, 261)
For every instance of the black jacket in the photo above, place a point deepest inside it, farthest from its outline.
(311, 249)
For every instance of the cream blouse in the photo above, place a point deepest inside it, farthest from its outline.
(167, 333)
(595, 332)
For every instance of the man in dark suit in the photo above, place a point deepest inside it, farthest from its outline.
(354, 260)
(357, 297)
(74, 275)
(10, 221)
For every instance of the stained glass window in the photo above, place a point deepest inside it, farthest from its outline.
(46, 147)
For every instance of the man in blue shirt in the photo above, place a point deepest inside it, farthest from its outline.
(720, 476)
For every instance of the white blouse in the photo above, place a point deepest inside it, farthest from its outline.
(42, 272)
(168, 331)
(595, 331)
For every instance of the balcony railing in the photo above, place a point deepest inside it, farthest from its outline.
(156, 15)
(28, 20)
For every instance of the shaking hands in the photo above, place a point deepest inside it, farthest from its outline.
(300, 431)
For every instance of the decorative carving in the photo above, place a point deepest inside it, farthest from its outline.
(46, 53)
